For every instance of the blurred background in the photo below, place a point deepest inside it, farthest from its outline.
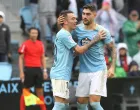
(120, 17)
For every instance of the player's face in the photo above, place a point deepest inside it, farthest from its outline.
(71, 21)
(33, 34)
(88, 16)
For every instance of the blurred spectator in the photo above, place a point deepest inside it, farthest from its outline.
(47, 16)
(80, 4)
(136, 57)
(133, 69)
(26, 2)
(34, 9)
(73, 7)
(118, 5)
(133, 4)
(29, 16)
(62, 5)
(123, 58)
(119, 71)
(5, 39)
(110, 19)
(131, 31)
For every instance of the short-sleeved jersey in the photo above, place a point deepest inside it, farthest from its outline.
(32, 53)
(93, 60)
(63, 56)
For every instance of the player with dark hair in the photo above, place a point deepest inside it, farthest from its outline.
(63, 59)
(93, 71)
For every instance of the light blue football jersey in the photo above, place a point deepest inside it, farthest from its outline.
(63, 56)
(93, 60)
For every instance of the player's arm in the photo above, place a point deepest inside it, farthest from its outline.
(21, 61)
(112, 48)
(81, 49)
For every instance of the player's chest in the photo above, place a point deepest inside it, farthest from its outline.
(86, 37)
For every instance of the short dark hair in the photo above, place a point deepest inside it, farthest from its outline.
(34, 28)
(91, 7)
(65, 13)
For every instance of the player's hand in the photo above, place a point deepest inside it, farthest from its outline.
(101, 35)
(60, 20)
(45, 75)
(110, 73)
(22, 77)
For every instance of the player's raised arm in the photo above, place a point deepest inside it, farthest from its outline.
(60, 20)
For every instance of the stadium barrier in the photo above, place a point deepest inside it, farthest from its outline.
(120, 92)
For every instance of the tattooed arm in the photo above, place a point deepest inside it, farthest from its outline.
(112, 48)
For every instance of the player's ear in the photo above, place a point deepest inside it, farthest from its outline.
(94, 14)
(65, 22)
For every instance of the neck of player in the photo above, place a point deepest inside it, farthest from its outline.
(91, 26)
(67, 28)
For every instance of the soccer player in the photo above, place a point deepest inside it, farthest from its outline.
(93, 71)
(31, 57)
(63, 59)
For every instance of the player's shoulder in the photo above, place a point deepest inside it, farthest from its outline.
(99, 28)
(63, 33)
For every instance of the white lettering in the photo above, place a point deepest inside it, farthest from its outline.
(3, 89)
(49, 100)
(47, 87)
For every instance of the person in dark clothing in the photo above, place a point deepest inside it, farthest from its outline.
(34, 1)
(133, 70)
(62, 5)
(5, 39)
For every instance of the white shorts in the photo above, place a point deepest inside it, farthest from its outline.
(92, 84)
(60, 88)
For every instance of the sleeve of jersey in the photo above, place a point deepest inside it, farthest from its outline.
(108, 38)
(68, 42)
(21, 49)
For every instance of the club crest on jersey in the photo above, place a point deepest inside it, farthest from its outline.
(85, 41)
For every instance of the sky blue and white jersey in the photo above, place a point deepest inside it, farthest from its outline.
(93, 60)
(63, 56)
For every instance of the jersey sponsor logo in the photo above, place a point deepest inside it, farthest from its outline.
(85, 41)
